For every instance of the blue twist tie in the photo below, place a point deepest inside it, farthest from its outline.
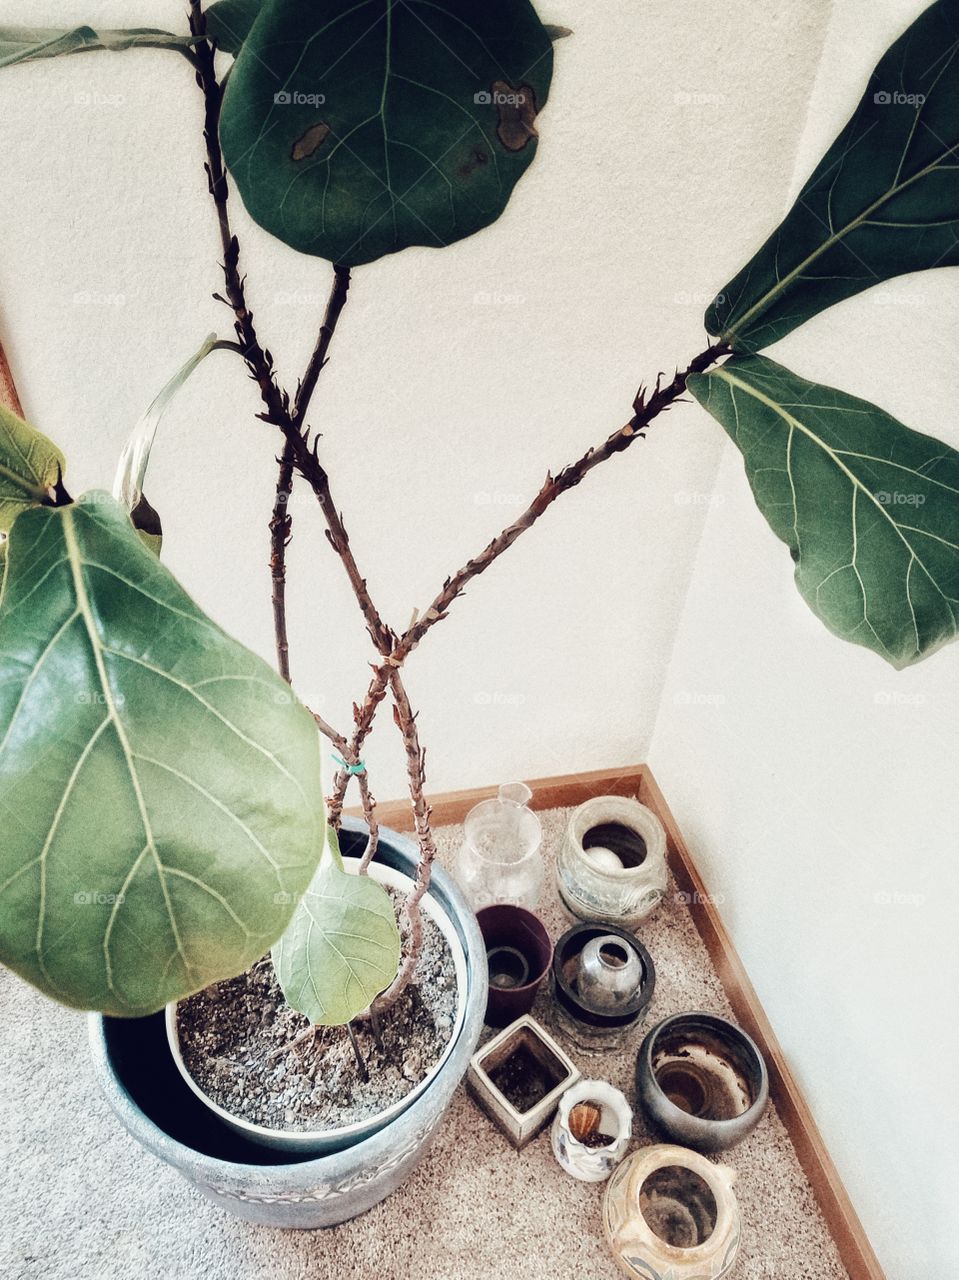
(359, 767)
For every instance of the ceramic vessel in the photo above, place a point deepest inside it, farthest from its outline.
(592, 1026)
(701, 1081)
(519, 952)
(610, 973)
(136, 1071)
(500, 859)
(587, 1112)
(612, 863)
(523, 1050)
(670, 1214)
(305, 1142)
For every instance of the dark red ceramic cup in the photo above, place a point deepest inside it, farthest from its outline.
(519, 952)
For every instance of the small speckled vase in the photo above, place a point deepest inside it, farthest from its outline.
(670, 1214)
(136, 1071)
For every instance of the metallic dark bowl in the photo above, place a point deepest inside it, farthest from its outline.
(701, 1081)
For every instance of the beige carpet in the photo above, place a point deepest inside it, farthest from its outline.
(79, 1200)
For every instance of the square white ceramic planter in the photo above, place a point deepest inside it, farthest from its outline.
(527, 1040)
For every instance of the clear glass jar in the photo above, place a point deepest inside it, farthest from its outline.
(500, 859)
(612, 862)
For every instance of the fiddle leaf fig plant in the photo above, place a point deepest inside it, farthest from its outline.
(356, 130)
(868, 508)
(884, 199)
(163, 814)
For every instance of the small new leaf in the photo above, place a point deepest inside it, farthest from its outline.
(868, 508)
(342, 947)
(30, 466)
(229, 22)
(883, 201)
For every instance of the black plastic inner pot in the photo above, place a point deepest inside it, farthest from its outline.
(565, 965)
(508, 967)
(628, 845)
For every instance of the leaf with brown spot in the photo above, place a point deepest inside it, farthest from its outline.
(311, 141)
(413, 148)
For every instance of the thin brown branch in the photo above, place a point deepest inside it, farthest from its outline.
(281, 531)
(276, 402)
(405, 719)
(281, 521)
(570, 476)
(644, 413)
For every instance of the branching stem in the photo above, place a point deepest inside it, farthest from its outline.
(300, 456)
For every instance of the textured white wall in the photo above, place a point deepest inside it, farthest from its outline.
(440, 414)
(821, 779)
(817, 785)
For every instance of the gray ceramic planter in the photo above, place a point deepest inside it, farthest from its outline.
(702, 1081)
(138, 1076)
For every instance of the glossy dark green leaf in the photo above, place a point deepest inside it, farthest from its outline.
(354, 130)
(342, 947)
(29, 44)
(883, 201)
(159, 786)
(868, 508)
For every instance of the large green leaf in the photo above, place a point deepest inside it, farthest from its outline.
(159, 786)
(868, 508)
(354, 130)
(30, 466)
(342, 947)
(883, 201)
(28, 44)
